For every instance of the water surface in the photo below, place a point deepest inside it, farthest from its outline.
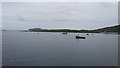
(56, 49)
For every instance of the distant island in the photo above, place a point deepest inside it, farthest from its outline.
(112, 29)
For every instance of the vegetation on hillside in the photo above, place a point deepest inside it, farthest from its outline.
(106, 29)
(109, 29)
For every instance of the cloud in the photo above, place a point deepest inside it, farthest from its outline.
(77, 15)
(0, 15)
(59, 0)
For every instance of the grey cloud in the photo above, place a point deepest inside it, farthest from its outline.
(59, 15)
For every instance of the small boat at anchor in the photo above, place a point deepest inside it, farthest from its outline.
(87, 34)
(64, 33)
(79, 37)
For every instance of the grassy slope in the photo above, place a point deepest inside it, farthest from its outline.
(106, 29)
(109, 29)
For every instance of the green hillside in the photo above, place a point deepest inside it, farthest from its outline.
(109, 29)
(106, 29)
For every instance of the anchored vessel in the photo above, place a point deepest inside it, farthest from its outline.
(79, 37)
(64, 32)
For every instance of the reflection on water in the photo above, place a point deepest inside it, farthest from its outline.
(56, 49)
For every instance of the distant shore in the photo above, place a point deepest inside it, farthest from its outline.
(107, 30)
(112, 29)
(64, 30)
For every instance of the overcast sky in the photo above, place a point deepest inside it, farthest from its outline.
(65, 15)
(60, 0)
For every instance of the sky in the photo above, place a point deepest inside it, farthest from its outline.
(60, 0)
(59, 15)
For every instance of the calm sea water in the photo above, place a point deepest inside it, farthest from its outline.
(56, 49)
(0, 48)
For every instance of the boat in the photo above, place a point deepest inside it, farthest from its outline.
(64, 33)
(87, 34)
(79, 37)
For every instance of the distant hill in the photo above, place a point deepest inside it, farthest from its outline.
(109, 29)
(106, 29)
(35, 29)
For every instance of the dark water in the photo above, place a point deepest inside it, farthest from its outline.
(56, 49)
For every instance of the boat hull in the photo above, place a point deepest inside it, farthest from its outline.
(64, 33)
(79, 37)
